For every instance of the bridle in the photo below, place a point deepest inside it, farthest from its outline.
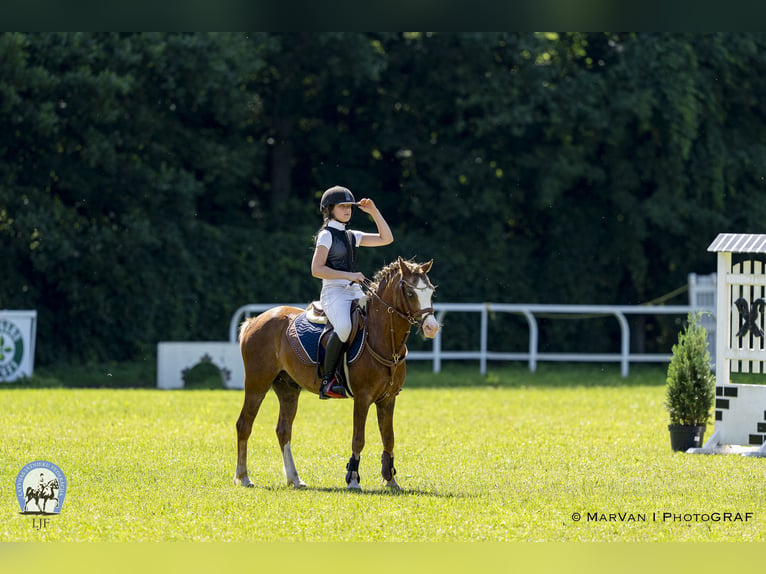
(415, 319)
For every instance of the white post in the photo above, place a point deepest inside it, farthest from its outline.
(484, 327)
(625, 344)
(723, 318)
(438, 344)
(533, 336)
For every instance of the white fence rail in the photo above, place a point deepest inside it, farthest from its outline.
(533, 355)
(530, 312)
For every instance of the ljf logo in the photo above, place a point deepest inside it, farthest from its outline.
(40, 488)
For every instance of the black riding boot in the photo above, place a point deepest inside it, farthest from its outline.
(331, 387)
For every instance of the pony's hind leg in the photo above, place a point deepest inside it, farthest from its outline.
(287, 392)
(249, 411)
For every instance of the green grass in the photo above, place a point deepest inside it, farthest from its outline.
(509, 457)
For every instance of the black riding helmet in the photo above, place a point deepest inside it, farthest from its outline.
(336, 195)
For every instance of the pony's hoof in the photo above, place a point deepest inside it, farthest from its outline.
(354, 486)
(393, 485)
(243, 481)
(296, 483)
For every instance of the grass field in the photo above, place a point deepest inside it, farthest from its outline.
(509, 457)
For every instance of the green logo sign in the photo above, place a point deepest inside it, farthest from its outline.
(11, 349)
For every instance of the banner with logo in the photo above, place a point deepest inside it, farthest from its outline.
(18, 331)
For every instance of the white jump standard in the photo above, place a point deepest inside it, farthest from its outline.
(740, 409)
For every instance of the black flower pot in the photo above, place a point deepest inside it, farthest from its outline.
(684, 437)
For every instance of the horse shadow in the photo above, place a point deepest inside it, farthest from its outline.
(375, 492)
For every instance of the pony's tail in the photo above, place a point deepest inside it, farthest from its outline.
(243, 328)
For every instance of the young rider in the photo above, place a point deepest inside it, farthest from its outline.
(333, 263)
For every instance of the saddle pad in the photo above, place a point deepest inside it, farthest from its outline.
(304, 338)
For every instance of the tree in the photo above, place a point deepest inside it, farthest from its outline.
(150, 184)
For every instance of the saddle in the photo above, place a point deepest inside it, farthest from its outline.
(309, 331)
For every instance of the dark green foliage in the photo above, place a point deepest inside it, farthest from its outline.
(150, 184)
(690, 382)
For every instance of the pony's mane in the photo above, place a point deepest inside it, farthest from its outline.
(383, 276)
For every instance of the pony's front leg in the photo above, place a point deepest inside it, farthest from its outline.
(386, 425)
(361, 409)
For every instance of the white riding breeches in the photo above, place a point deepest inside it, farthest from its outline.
(336, 301)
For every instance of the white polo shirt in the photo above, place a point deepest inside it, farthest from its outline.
(324, 238)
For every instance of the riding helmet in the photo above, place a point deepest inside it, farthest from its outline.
(336, 195)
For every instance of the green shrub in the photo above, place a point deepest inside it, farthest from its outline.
(690, 381)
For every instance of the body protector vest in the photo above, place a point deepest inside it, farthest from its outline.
(342, 254)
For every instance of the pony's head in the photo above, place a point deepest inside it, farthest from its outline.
(417, 292)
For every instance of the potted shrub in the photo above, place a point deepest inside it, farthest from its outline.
(690, 386)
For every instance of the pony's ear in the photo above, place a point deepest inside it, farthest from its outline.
(403, 265)
(426, 267)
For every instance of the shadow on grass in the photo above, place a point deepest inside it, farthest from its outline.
(109, 375)
(389, 492)
(420, 375)
(464, 374)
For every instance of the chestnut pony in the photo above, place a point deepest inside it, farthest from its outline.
(399, 298)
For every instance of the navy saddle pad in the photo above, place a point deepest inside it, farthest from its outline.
(309, 333)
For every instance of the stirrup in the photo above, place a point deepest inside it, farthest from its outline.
(331, 389)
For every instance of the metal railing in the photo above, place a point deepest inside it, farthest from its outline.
(529, 312)
(533, 355)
